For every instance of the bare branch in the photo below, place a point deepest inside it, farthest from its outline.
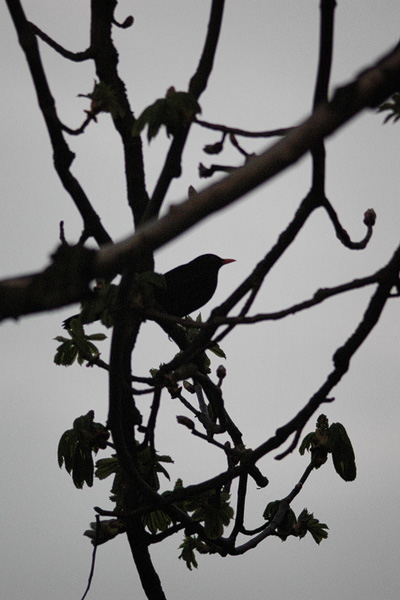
(319, 296)
(244, 132)
(198, 82)
(342, 234)
(74, 56)
(205, 172)
(63, 156)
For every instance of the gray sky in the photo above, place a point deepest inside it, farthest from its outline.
(263, 79)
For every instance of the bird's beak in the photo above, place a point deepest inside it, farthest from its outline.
(225, 261)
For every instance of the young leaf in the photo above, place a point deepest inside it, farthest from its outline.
(106, 467)
(104, 531)
(307, 442)
(77, 445)
(214, 509)
(342, 452)
(157, 520)
(393, 106)
(307, 523)
(188, 546)
(175, 112)
(217, 350)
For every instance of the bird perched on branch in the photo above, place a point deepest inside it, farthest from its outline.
(187, 288)
(190, 286)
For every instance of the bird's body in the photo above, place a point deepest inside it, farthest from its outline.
(190, 286)
(187, 288)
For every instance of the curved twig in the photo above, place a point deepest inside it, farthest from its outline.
(74, 56)
(342, 234)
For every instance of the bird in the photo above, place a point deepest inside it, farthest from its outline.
(187, 288)
(190, 286)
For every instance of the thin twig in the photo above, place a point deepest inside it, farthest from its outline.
(342, 234)
(74, 56)
(95, 545)
(243, 132)
(151, 424)
(80, 129)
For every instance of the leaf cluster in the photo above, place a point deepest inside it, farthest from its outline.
(77, 445)
(79, 347)
(149, 465)
(103, 99)
(100, 306)
(331, 440)
(176, 111)
(103, 531)
(393, 106)
(190, 544)
(296, 526)
(193, 332)
(213, 510)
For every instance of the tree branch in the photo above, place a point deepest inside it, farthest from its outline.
(243, 132)
(341, 358)
(106, 61)
(198, 83)
(327, 8)
(319, 296)
(369, 89)
(63, 156)
(74, 56)
(342, 234)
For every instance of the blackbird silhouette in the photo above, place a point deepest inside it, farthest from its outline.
(190, 286)
(187, 287)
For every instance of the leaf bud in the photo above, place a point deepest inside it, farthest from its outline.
(221, 372)
(182, 420)
(369, 217)
(189, 387)
(213, 148)
(128, 22)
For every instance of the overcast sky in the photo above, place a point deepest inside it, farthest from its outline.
(263, 79)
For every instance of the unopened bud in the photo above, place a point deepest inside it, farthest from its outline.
(182, 420)
(189, 387)
(127, 23)
(174, 390)
(213, 148)
(221, 372)
(369, 217)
